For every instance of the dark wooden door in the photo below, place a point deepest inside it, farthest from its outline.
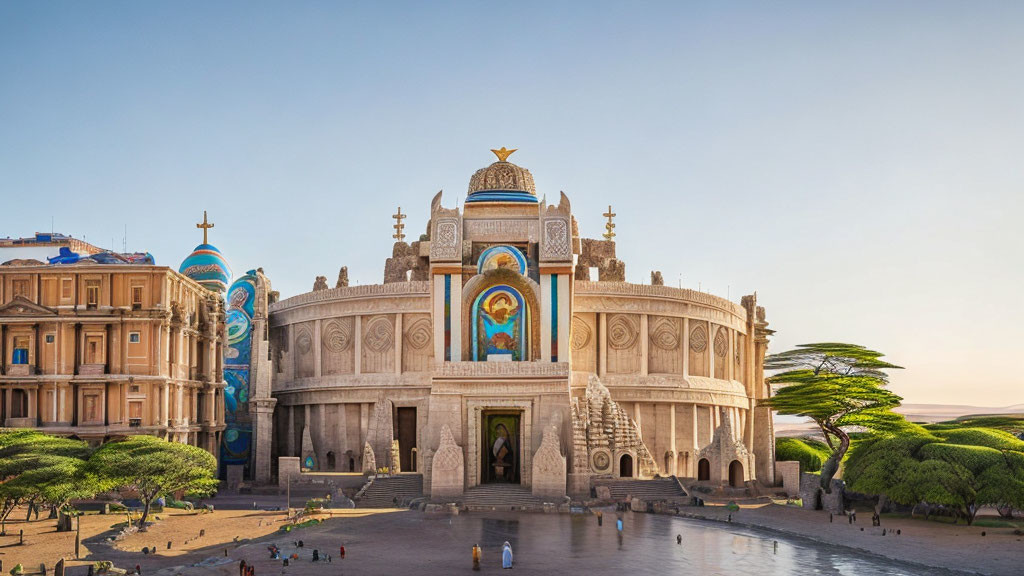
(406, 434)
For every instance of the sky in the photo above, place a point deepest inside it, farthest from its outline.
(858, 165)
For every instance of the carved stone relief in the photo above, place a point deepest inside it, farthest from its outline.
(623, 331)
(556, 244)
(699, 339)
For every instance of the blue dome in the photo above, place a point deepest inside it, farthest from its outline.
(207, 266)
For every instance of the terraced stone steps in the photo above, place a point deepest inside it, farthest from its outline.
(383, 491)
(502, 497)
(657, 489)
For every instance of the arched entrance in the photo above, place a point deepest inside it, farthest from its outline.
(735, 474)
(626, 466)
(703, 469)
(331, 462)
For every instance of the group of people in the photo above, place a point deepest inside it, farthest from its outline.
(506, 556)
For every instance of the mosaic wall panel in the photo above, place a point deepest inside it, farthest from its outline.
(236, 442)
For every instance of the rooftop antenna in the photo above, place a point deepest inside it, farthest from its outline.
(680, 280)
(728, 293)
(124, 240)
(698, 286)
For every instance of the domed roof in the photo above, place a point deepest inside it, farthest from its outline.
(502, 181)
(207, 266)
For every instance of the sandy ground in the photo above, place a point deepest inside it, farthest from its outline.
(43, 544)
(954, 547)
(374, 536)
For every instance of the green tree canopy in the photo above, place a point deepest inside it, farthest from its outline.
(837, 386)
(961, 469)
(36, 468)
(152, 466)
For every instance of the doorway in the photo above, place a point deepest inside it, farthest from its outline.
(735, 474)
(703, 470)
(626, 466)
(501, 442)
(405, 432)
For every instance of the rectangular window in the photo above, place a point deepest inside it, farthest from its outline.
(20, 354)
(134, 337)
(49, 338)
(92, 407)
(92, 293)
(67, 288)
(136, 296)
(94, 350)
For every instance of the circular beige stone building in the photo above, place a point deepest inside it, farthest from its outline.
(490, 355)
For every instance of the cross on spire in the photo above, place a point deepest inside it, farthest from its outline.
(609, 226)
(206, 225)
(398, 225)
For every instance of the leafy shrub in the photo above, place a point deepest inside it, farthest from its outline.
(810, 453)
(982, 437)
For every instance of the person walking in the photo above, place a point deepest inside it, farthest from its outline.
(476, 557)
(506, 555)
(342, 552)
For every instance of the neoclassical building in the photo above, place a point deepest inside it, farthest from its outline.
(491, 355)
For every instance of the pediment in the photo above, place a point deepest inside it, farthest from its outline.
(21, 306)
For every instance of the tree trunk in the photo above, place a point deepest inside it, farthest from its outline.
(63, 522)
(145, 514)
(883, 500)
(831, 466)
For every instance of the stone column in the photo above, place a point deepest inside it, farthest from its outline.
(456, 307)
(291, 430)
(359, 345)
(317, 364)
(564, 317)
(546, 310)
(672, 439)
(711, 350)
(399, 327)
(644, 344)
(696, 442)
(686, 347)
(602, 344)
(438, 318)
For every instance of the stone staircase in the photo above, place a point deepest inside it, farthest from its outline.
(382, 491)
(502, 497)
(658, 489)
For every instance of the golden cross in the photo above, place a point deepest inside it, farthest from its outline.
(398, 225)
(205, 226)
(503, 154)
(609, 226)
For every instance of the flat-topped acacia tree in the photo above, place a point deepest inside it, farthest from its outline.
(837, 386)
(152, 467)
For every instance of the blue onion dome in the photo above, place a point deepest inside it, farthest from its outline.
(502, 181)
(207, 266)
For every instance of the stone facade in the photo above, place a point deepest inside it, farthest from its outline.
(103, 350)
(490, 355)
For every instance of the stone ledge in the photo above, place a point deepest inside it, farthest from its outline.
(417, 288)
(500, 369)
(614, 289)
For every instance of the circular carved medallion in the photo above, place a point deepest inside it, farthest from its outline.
(580, 333)
(601, 461)
(418, 334)
(665, 334)
(699, 339)
(721, 343)
(337, 335)
(380, 334)
(622, 332)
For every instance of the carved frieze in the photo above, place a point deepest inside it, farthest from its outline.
(623, 331)
(556, 244)
(380, 334)
(721, 342)
(337, 335)
(699, 338)
(418, 334)
(665, 333)
(580, 333)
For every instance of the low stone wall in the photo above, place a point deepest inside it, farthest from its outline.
(788, 473)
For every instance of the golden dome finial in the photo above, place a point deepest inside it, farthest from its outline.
(503, 154)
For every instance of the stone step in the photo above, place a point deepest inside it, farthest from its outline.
(383, 492)
(656, 489)
(501, 497)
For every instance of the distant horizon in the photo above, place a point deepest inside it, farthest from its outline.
(857, 166)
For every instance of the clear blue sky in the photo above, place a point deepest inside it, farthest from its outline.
(858, 164)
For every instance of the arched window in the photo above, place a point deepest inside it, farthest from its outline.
(500, 325)
(331, 463)
(626, 466)
(505, 257)
(703, 469)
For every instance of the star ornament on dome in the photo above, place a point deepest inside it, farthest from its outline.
(503, 153)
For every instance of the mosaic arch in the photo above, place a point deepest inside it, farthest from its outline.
(500, 323)
(237, 438)
(502, 257)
